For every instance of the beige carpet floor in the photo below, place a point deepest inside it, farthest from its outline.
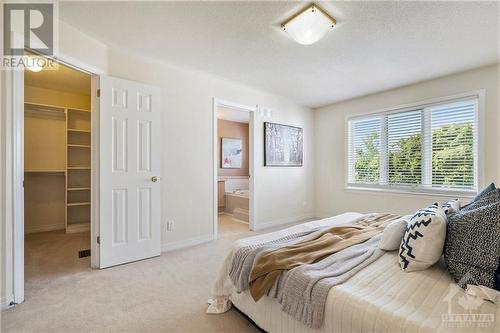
(163, 294)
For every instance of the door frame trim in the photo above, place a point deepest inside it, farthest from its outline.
(12, 149)
(95, 257)
(12, 178)
(252, 110)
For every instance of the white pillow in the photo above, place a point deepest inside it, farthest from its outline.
(451, 207)
(423, 241)
(393, 234)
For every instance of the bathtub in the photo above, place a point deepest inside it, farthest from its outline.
(239, 193)
(237, 204)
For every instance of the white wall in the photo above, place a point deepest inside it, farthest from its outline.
(186, 96)
(281, 194)
(330, 152)
(56, 97)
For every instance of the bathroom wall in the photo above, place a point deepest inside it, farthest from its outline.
(234, 130)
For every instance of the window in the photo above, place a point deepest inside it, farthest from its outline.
(432, 147)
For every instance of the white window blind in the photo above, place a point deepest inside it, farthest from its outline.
(365, 164)
(428, 147)
(405, 147)
(454, 144)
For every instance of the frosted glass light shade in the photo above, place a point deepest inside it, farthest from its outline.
(309, 25)
(33, 64)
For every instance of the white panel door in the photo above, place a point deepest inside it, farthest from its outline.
(129, 171)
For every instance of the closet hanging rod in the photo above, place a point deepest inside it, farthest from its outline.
(47, 172)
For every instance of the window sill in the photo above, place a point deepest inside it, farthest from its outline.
(414, 193)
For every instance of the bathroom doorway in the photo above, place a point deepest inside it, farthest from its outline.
(234, 184)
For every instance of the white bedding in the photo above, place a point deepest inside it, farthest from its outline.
(380, 298)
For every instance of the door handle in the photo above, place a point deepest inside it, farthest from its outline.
(154, 179)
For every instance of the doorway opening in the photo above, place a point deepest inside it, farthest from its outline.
(234, 167)
(57, 172)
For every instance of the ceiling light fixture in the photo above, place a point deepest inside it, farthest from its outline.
(34, 64)
(309, 25)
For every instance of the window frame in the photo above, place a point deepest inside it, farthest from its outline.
(419, 189)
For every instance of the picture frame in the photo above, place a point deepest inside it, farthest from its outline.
(231, 153)
(283, 145)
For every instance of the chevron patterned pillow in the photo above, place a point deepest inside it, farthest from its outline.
(423, 241)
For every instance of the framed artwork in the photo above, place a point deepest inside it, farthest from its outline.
(283, 145)
(232, 153)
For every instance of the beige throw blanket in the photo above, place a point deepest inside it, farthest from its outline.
(268, 267)
(304, 289)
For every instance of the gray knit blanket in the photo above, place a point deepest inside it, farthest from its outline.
(302, 291)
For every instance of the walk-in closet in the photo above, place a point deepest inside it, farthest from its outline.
(57, 169)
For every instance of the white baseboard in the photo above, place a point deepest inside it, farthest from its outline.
(78, 227)
(6, 301)
(186, 243)
(286, 220)
(43, 228)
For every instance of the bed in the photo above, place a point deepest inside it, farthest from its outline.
(380, 298)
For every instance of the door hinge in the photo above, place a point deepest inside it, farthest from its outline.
(98, 239)
(98, 92)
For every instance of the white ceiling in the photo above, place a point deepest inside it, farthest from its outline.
(375, 46)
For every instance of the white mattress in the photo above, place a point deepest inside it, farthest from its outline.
(380, 298)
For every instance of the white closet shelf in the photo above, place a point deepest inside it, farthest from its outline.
(78, 188)
(78, 146)
(78, 168)
(73, 204)
(43, 108)
(76, 130)
(78, 110)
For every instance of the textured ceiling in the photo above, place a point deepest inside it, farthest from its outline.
(375, 46)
